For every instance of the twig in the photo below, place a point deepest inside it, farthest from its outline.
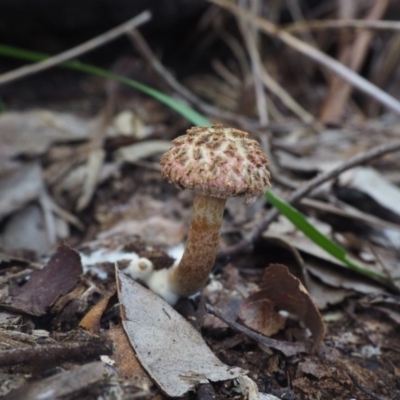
(287, 348)
(91, 44)
(376, 152)
(364, 389)
(251, 38)
(271, 84)
(315, 54)
(353, 56)
(342, 23)
(346, 211)
(66, 215)
(48, 216)
(43, 355)
(297, 15)
(237, 50)
(384, 267)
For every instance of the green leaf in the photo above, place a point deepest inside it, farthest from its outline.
(191, 115)
(301, 222)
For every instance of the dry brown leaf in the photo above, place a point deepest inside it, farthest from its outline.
(287, 293)
(126, 362)
(91, 321)
(259, 314)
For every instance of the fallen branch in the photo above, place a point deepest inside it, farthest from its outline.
(43, 355)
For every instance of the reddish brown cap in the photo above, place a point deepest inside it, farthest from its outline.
(217, 161)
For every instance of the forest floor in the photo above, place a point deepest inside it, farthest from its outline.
(82, 199)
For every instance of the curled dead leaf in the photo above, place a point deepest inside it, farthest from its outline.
(280, 290)
(259, 313)
(91, 320)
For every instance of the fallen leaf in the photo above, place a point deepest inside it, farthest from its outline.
(169, 348)
(32, 133)
(126, 362)
(259, 314)
(328, 268)
(19, 187)
(370, 181)
(287, 293)
(26, 230)
(336, 277)
(58, 277)
(91, 321)
(325, 295)
(386, 304)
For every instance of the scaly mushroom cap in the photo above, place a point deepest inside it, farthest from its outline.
(219, 162)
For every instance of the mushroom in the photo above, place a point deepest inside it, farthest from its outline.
(216, 163)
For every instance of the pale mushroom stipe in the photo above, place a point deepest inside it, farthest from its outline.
(216, 163)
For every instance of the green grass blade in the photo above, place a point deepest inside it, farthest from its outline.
(301, 222)
(191, 115)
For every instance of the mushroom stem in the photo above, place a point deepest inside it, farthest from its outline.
(191, 275)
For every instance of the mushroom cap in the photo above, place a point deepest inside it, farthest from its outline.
(218, 162)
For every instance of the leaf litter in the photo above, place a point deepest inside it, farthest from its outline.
(171, 350)
(115, 209)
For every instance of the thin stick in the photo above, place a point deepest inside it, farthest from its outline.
(348, 212)
(302, 191)
(91, 44)
(40, 355)
(353, 56)
(251, 38)
(342, 23)
(315, 54)
(278, 90)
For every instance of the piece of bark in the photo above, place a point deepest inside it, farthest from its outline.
(45, 286)
(44, 356)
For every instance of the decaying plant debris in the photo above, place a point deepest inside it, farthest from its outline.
(83, 205)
